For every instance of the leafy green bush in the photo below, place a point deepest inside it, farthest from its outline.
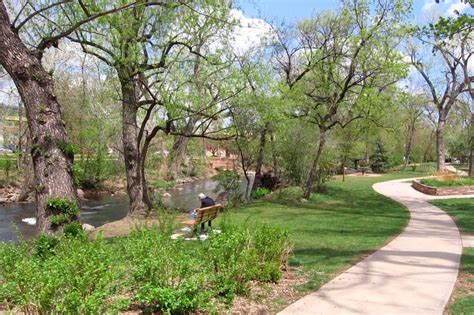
(74, 229)
(60, 219)
(78, 276)
(260, 193)
(64, 211)
(45, 245)
(165, 274)
(145, 269)
(62, 205)
(448, 181)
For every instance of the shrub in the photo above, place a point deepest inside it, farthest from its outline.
(260, 193)
(64, 211)
(71, 276)
(60, 219)
(45, 245)
(156, 274)
(63, 206)
(74, 229)
(448, 181)
(239, 255)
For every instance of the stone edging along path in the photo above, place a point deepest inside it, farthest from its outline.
(413, 274)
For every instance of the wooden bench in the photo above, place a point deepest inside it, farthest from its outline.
(204, 215)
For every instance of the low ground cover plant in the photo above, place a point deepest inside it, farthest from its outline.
(145, 271)
(448, 181)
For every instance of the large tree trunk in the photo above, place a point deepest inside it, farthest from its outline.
(136, 185)
(471, 145)
(257, 182)
(52, 159)
(314, 168)
(440, 149)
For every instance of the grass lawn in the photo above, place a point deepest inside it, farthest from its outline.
(331, 232)
(462, 211)
(463, 296)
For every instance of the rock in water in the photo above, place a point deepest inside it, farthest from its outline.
(87, 227)
(166, 195)
(29, 221)
(80, 193)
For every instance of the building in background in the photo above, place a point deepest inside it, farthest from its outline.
(12, 127)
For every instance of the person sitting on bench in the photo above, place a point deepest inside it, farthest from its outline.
(205, 202)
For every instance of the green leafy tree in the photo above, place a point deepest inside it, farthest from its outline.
(337, 68)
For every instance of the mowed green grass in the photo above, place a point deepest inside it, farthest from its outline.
(332, 231)
(464, 294)
(462, 211)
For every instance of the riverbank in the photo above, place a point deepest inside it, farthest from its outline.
(15, 194)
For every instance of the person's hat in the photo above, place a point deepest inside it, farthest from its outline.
(202, 196)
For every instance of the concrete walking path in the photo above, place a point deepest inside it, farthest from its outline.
(413, 274)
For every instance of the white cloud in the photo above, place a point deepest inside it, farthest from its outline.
(459, 7)
(251, 32)
(445, 8)
(429, 7)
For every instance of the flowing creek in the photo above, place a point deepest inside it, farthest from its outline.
(102, 210)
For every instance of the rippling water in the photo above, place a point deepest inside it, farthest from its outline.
(102, 210)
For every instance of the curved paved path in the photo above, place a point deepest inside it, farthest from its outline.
(413, 274)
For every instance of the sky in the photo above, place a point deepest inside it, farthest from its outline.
(294, 10)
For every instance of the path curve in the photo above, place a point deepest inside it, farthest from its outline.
(413, 274)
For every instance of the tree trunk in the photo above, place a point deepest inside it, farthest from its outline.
(440, 149)
(471, 145)
(314, 168)
(136, 185)
(257, 182)
(274, 154)
(409, 144)
(178, 152)
(51, 154)
(343, 167)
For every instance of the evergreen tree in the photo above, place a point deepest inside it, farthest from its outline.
(379, 161)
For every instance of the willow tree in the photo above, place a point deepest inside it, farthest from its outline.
(21, 53)
(340, 65)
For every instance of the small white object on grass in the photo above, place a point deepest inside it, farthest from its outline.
(176, 236)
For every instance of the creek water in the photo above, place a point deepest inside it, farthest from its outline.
(103, 209)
